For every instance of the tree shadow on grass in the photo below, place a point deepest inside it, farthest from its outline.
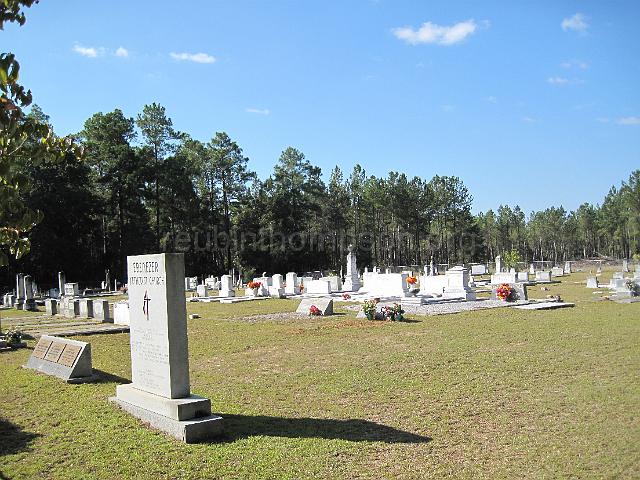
(243, 426)
(13, 439)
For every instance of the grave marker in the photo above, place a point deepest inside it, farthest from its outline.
(325, 305)
(67, 359)
(160, 392)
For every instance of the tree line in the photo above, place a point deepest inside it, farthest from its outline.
(144, 187)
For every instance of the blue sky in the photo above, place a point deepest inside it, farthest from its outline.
(529, 103)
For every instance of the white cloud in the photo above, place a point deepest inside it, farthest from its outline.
(578, 23)
(528, 119)
(575, 64)
(438, 34)
(491, 99)
(91, 52)
(628, 121)
(558, 80)
(121, 52)
(602, 119)
(193, 57)
(448, 108)
(258, 111)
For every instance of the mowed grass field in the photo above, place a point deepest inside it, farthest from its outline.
(499, 393)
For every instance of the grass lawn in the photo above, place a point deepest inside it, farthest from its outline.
(499, 393)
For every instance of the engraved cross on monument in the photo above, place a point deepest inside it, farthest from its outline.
(160, 392)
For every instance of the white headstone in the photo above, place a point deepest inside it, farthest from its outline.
(498, 264)
(351, 280)
(226, 287)
(61, 282)
(292, 287)
(202, 291)
(458, 284)
(160, 392)
(158, 316)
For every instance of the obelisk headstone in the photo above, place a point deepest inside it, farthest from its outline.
(352, 279)
(61, 281)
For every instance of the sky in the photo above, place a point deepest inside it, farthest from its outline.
(535, 104)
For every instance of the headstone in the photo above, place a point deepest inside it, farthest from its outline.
(387, 285)
(543, 276)
(504, 277)
(532, 269)
(19, 303)
(101, 311)
(121, 315)
(86, 307)
(498, 264)
(592, 282)
(433, 285)
(617, 283)
(72, 309)
(568, 267)
(29, 302)
(226, 287)
(557, 272)
(320, 286)
(292, 287)
(276, 289)
(190, 283)
(335, 281)
(432, 267)
(54, 293)
(519, 291)
(625, 265)
(160, 390)
(325, 305)
(478, 269)
(351, 280)
(11, 300)
(67, 359)
(618, 275)
(202, 291)
(107, 278)
(522, 276)
(61, 282)
(458, 284)
(71, 289)
(51, 306)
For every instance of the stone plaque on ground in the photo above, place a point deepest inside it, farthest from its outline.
(160, 392)
(325, 305)
(67, 359)
(41, 348)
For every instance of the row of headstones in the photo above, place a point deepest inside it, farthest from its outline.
(79, 307)
(618, 283)
(24, 294)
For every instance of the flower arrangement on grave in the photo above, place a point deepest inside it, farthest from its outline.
(633, 287)
(254, 285)
(315, 311)
(504, 292)
(394, 313)
(346, 296)
(412, 280)
(369, 308)
(13, 337)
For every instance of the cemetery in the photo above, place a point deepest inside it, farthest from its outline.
(376, 277)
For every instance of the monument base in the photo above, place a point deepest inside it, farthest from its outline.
(187, 419)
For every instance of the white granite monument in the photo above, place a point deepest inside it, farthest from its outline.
(160, 392)
(351, 279)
